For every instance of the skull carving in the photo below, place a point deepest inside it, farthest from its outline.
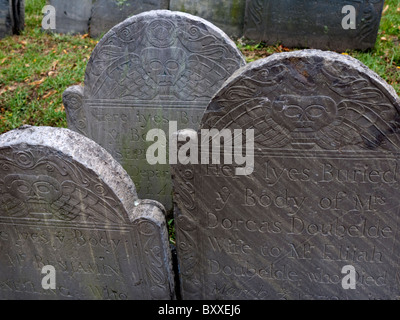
(304, 117)
(164, 66)
(37, 192)
(307, 114)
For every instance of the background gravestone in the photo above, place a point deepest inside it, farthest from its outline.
(226, 14)
(324, 193)
(65, 202)
(153, 68)
(12, 17)
(72, 16)
(108, 13)
(312, 24)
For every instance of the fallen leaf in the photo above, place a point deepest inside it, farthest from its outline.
(54, 65)
(38, 82)
(49, 94)
(85, 36)
(386, 9)
(8, 88)
(65, 51)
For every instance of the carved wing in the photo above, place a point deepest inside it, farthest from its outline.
(79, 202)
(365, 117)
(285, 106)
(122, 75)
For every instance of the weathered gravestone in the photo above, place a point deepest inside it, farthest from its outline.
(153, 68)
(12, 17)
(324, 193)
(66, 203)
(313, 24)
(108, 13)
(72, 16)
(226, 14)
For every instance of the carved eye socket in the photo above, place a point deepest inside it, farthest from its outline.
(315, 111)
(23, 187)
(172, 65)
(156, 65)
(292, 111)
(42, 187)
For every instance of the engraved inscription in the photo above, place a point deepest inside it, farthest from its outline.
(66, 203)
(153, 68)
(323, 193)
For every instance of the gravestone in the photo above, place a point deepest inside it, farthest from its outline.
(226, 14)
(323, 193)
(72, 16)
(313, 24)
(66, 203)
(150, 70)
(108, 13)
(12, 17)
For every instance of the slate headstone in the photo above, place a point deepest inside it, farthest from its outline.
(108, 13)
(226, 14)
(66, 203)
(153, 68)
(324, 193)
(313, 24)
(72, 16)
(17, 15)
(5, 19)
(12, 17)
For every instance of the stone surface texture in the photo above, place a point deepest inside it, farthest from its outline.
(323, 193)
(153, 69)
(66, 203)
(312, 24)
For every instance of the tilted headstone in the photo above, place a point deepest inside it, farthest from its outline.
(72, 16)
(12, 17)
(226, 14)
(67, 204)
(314, 24)
(108, 13)
(153, 68)
(323, 193)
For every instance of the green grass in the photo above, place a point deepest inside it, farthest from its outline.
(36, 67)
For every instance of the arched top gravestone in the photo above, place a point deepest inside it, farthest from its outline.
(65, 202)
(324, 192)
(153, 68)
(309, 99)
